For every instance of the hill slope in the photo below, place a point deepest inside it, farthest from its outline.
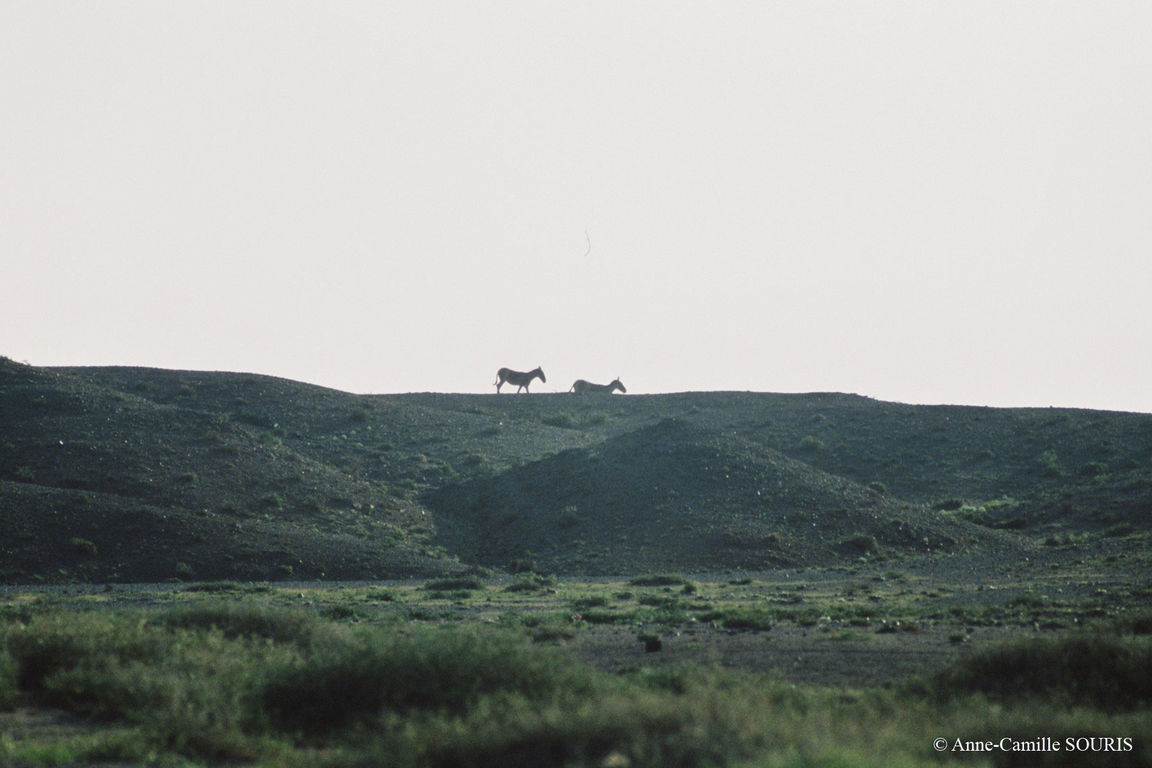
(144, 474)
(680, 496)
(102, 484)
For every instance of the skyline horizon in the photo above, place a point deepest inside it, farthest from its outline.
(539, 390)
(923, 203)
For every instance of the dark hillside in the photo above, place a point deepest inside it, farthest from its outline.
(1021, 467)
(145, 474)
(103, 484)
(676, 495)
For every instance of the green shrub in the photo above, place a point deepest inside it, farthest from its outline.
(186, 690)
(810, 444)
(248, 620)
(1093, 468)
(430, 669)
(8, 689)
(563, 421)
(1049, 464)
(744, 618)
(214, 586)
(569, 517)
(658, 580)
(454, 584)
(607, 616)
(658, 601)
(81, 546)
(1112, 674)
(1139, 623)
(53, 643)
(531, 582)
(345, 612)
(861, 544)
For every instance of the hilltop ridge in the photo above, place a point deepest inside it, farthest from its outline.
(145, 474)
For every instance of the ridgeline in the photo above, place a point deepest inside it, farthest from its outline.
(141, 475)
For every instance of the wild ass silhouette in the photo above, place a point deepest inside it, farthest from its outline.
(581, 386)
(520, 379)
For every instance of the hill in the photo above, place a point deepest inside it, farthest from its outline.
(676, 495)
(142, 474)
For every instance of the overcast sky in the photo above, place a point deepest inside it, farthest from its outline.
(930, 202)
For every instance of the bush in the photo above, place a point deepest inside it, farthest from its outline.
(1139, 623)
(81, 546)
(1049, 464)
(214, 586)
(54, 643)
(1112, 674)
(563, 421)
(569, 517)
(431, 669)
(454, 584)
(861, 544)
(659, 580)
(531, 583)
(187, 688)
(744, 618)
(810, 444)
(8, 690)
(246, 620)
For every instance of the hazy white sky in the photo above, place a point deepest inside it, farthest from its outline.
(918, 201)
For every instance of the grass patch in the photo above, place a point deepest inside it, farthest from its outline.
(455, 584)
(659, 580)
(215, 586)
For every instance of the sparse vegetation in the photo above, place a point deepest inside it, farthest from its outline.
(347, 486)
(732, 578)
(810, 444)
(1089, 670)
(82, 546)
(218, 681)
(658, 580)
(454, 584)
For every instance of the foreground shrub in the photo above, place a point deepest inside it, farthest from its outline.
(705, 719)
(249, 620)
(232, 684)
(8, 688)
(1109, 673)
(188, 690)
(430, 669)
(53, 643)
